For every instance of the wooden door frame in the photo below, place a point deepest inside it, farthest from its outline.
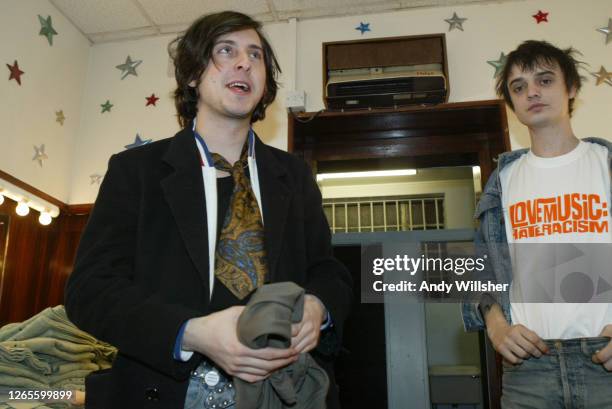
(465, 133)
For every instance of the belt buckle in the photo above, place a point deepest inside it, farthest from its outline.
(219, 391)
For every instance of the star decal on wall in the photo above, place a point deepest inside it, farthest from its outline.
(607, 31)
(541, 17)
(455, 22)
(128, 67)
(363, 27)
(498, 64)
(106, 107)
(59, 117)
(602, 76)
(46, 28)
(138, 142)
(39, 154)
(16, 73)
(151, 100)
(95, 179)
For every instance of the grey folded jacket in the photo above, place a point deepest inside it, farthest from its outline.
(48, 351)
(266, 322)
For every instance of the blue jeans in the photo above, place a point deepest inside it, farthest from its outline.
(566, 378)
(209, 388)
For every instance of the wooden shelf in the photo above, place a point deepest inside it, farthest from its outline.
(454, 134)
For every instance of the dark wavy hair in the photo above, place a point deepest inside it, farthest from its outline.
(531, 54)
(191, 53)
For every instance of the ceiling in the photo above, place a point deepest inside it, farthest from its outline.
(116, 20)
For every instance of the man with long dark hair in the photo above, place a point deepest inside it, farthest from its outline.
(556, 351)
(185, 229)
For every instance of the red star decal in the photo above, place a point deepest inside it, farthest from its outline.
(15, 72)
(151, 100)
(541, 16)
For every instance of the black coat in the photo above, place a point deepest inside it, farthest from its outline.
(142, 266)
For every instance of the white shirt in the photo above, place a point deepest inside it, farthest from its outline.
(564, 199)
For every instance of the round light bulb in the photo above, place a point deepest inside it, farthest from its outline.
(44, 219)
(22, 209)
(1, 199)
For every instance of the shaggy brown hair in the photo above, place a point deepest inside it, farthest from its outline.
(192, 52)
(532, 54)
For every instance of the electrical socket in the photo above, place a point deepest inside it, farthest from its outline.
(296, 100)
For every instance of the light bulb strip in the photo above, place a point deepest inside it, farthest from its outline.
(34, 202)
(22, 208)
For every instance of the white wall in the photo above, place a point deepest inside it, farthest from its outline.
(103, 134)
(458, 196)
(54, 80)
(490, 29)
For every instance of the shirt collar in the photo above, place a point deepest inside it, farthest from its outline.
(205, 155)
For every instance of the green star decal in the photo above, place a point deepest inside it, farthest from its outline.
(106, 107)
(498, 64)
(455, 22)
(46, 28)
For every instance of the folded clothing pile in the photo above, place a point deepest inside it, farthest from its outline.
(47, 352)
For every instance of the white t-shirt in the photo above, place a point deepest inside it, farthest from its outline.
(564, 199)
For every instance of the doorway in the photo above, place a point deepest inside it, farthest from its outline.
(467, 134)
(405, 354)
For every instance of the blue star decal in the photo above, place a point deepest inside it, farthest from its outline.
(138, 142)
(363, 27)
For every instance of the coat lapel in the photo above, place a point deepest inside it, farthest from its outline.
(276, 196)
(184, 193)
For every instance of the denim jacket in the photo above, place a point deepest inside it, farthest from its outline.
(491, 236)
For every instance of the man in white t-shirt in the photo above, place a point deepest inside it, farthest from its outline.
(555, 194)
